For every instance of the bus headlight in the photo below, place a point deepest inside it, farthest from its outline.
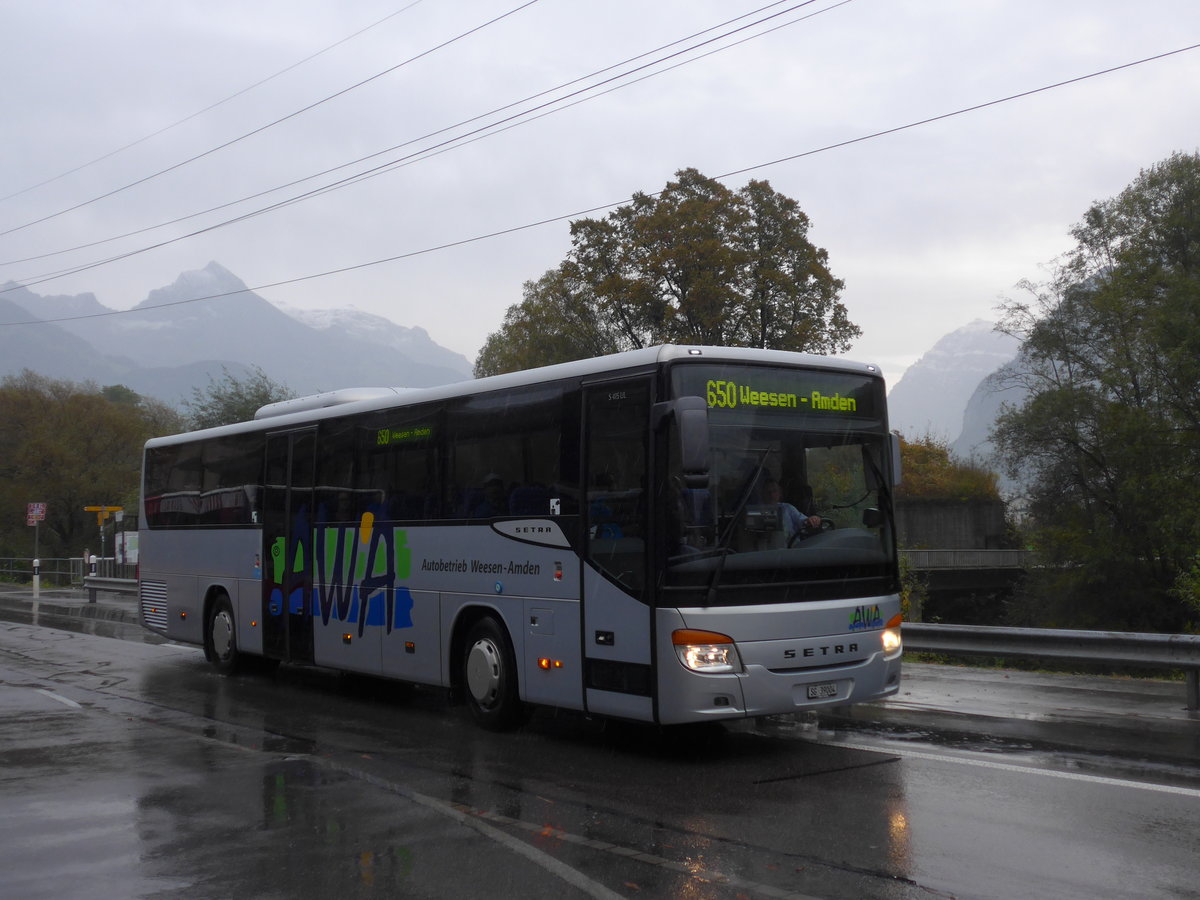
(892, 643)
(709, 652)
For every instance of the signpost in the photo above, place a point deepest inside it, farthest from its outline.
(102, 514)
(35, 513)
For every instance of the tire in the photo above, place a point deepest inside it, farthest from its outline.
(221, 634)
(489, 676)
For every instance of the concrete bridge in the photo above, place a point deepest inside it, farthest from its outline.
(963, 571)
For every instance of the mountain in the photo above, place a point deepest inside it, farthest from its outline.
(986, 403)
(933, 394)
(47, 348)
(170, 342)
(414, 343)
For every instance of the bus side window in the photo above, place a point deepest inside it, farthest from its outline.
(617, 436)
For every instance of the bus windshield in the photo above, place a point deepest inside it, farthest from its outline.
(796, 505)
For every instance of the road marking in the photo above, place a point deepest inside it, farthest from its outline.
(572, 876)
(690, 869)
(1025, 770)
(65, 701)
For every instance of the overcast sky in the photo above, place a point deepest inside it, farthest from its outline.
(929, 226)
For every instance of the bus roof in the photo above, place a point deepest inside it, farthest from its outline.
(329, 404)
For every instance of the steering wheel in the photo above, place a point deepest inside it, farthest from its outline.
(803, 533)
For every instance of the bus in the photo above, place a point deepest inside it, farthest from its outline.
(670, 535)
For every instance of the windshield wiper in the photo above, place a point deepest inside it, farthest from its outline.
(723, 541)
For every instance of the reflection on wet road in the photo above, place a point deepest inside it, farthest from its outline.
(129, 769)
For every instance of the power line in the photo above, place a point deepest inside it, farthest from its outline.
(560, 218)
(269, 125)
(524, 117)
(407, 143)
(210, 107)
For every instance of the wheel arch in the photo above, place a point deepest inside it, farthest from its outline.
(464, 620)
(211, 594)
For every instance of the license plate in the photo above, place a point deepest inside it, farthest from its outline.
(822, 691)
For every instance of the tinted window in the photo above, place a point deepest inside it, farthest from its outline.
(383, 463)
(214, 482)
(505, 455)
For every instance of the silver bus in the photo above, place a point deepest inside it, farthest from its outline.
(669, 535)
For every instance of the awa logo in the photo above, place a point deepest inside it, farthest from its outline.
(864, 617)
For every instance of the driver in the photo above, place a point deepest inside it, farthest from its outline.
(794, 521)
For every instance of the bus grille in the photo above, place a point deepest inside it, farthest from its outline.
(154, 604)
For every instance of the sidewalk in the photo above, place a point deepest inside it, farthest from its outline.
(977, 708)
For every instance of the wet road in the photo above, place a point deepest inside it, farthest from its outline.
(129, 769)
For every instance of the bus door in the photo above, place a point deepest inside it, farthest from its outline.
(287, 546)
(617, 643)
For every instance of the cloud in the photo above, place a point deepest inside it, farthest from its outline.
(927, 226)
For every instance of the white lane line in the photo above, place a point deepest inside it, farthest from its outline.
(906, 753)
(65, 701)
(572, 876)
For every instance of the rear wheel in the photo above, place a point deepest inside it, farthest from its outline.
(222, 636)
(489, 672)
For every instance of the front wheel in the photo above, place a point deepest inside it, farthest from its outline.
(222, 637)
(489, 671)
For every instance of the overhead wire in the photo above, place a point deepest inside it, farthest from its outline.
(164, 129)
(480, 133)
(601, 207)
(407, 143)
(428, 150)
(260, 129)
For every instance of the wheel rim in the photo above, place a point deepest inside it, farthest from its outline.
(484, 672)
(222, 634)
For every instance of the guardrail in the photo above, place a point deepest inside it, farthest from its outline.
(64, 570)
(1162, 651)
(53, 570)
(95, 583)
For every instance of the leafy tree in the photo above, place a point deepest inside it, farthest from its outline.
(231, 399)
(931, 473)
(697, 263)
(70, 446)
(1108, 441)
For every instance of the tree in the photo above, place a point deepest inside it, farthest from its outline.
(68, 445)
(231, 399)
(697, 263)
(1108, 441)
(929, 472)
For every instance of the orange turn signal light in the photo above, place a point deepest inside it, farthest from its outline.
(689, 636)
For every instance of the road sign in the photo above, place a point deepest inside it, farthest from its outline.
(102, 512)
(35, 512)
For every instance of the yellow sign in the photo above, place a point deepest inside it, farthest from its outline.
(102, 512)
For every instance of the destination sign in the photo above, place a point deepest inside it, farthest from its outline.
(391, 437)
(732, 394)
(756, 389)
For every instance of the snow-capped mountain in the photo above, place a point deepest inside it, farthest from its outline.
(933, 394)
(186, 333)
(415, 342)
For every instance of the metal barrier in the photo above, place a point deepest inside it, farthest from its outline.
(95, 583)
(53, 570)
(65, 570)
(1162, 651)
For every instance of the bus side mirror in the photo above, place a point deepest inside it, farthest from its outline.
(691, 418)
